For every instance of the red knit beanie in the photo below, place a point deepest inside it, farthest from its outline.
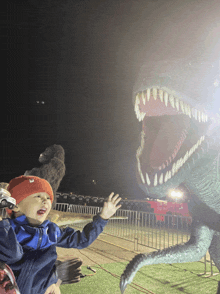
(23, 186)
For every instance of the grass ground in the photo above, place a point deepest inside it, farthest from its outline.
(159, 279)
(112, 251)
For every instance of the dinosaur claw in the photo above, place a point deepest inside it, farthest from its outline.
(123, 284)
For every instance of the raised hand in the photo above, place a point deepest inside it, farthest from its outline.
(110, 206)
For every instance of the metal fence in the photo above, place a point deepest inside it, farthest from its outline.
(149, 229)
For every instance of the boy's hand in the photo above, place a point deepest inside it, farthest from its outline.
(109, 207)
(54, 288)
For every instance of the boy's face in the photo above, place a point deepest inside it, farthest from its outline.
(31, 205)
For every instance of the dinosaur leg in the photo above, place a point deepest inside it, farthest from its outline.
(214, 251)
(193, 250)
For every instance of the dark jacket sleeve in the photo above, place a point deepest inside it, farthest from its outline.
(70, 238)
(10, 249)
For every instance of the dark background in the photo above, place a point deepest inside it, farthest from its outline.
(71, 66)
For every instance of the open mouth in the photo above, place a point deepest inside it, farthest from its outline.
(41, 211)
(171, 132)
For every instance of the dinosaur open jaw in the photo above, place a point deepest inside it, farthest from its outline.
(171, 132)
(156, 102)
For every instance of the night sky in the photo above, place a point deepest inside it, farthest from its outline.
(71, 66)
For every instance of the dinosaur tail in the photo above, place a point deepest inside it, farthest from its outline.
(193, 250)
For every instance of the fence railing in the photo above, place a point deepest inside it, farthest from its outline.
(143, 228)
(82, 209)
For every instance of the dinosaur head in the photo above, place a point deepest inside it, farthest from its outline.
(177, 102)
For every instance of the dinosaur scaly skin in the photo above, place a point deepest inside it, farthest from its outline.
(177, 101)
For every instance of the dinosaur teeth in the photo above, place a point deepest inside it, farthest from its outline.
(161, 174)
(171, 100)
(186, 108)
(139, 151)
(155, 180)
(142, 177)
(177, 104)
(203, 118)
(161, 179)
(199, 116)
(166, 177)
(165, 97)
(140, 172)
(194, 112)
(189, 111)
(147, 179)
(148, 94)
(142, 140)
(182, 106)
(174, 169)
(155, 93)
(140, 115)
(143, 97)
(161, 95)
(169, 175)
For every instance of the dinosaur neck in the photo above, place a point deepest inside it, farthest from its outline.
(204, 182)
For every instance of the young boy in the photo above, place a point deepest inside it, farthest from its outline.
(28, 241)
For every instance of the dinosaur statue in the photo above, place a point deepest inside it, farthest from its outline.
(177, 102)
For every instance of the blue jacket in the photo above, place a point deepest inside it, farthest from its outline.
(31, 251)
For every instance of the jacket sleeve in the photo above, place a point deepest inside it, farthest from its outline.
(70, 238)
(10, 249)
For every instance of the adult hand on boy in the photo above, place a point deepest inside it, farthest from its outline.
(109, 207)
(54, 288)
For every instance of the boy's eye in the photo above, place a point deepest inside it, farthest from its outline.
(40, 196)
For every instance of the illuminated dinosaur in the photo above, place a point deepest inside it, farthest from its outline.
(178, 102)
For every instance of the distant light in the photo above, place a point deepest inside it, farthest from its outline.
(42, 102)
(38, 101)
(176, 194)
